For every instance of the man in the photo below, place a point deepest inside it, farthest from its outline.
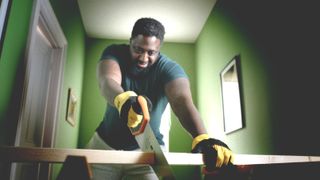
(125, 72)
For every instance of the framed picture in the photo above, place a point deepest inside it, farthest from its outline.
(231, 96)
(71, 108)
(4, 13)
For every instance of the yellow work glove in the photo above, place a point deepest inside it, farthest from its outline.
(129, 108)
(215, 153)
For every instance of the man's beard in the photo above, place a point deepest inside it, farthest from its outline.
(136, 71)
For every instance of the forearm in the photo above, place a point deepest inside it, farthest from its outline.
(179, 96)
(189, 117)
(109, 79)
(109, 89)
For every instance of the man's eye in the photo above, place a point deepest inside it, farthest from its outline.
(138, 50)
(151, 53)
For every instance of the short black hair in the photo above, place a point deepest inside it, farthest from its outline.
(148, 27)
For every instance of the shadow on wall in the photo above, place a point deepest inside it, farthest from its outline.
(287, 34)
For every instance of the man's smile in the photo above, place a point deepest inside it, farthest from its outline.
(141, 64)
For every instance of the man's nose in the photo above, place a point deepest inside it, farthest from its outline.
(144, 56)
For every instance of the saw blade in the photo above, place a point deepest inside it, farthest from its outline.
(148, 143)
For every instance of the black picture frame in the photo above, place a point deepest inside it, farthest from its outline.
(232, 100)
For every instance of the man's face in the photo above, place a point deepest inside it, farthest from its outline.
(144, 52)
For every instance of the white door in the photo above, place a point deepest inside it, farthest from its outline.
(43, 80)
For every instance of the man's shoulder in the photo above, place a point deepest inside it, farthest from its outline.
(115, 51)
(169, 68)
(164, 60)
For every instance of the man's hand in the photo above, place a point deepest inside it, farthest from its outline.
(129, 107)
(215, 153)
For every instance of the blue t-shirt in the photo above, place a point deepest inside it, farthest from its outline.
(112, 129)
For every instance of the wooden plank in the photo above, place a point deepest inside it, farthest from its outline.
(175, 158)
(240, 159)
(56, 155)
(249, 159)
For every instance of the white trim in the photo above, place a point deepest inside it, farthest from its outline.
(57, 35)
(57, 38)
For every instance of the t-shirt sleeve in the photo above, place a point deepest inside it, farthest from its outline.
(172, 70)
(110, 53)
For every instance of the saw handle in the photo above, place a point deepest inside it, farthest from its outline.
(146, 116)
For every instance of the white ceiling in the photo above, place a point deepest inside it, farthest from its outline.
(114, 19)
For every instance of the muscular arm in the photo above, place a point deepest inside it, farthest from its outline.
(180, 99)
(109, 79)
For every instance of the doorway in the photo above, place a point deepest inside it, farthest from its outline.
(38, 118)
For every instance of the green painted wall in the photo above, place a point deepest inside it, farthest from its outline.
(280, 90)
(287, 35)
(220, 40)
(10, 67)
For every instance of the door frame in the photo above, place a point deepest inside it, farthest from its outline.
(43, 15)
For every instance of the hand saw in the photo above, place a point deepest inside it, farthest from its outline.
(148, 142)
